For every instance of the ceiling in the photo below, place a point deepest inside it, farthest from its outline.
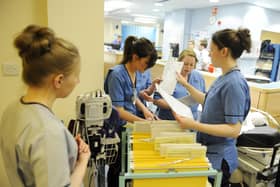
(148, 9)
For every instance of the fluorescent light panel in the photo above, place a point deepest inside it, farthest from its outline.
(144, 20)
(114, 5)
(144, 16)
(158, 4)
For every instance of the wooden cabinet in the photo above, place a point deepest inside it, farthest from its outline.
(266, 97)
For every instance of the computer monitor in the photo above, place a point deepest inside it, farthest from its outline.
(114, 46)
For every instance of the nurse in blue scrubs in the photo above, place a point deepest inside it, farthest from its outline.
(124, 81)
(225, 105)
(192, 76)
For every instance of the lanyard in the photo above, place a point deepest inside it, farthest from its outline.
(133, 86)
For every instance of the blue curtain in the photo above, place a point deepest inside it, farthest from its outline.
(138, 31)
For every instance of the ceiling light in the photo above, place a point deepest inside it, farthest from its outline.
(158, 4)
(144, 16)
(127, 10)
(125, 22)
(145, 20)
(114, 5)
(214, 1)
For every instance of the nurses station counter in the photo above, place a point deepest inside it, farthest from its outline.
(264, 96)
(111, 58)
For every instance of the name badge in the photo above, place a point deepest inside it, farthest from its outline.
(133, 98)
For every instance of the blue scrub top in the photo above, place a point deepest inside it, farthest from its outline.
(120, 88)
(197, 81)
(227, 102)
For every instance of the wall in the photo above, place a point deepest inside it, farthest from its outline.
(82, 24)
(14, 16)
(234, 16)
(184, 24)
(174, 30)
(110, 30)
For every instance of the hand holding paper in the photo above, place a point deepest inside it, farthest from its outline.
(174, 104)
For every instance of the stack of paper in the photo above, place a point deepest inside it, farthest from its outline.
(142, 127)
(184, 138)
(171, 134)
(189, 151)
(156, 129)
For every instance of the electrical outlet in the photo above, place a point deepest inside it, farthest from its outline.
(10, 69)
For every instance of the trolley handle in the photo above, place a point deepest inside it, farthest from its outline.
(275, 149)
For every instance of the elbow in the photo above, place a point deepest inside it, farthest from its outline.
(236, 131)
(235, 135)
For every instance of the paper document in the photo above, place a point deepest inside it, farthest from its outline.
(175, 104)
(169, 76)
(187, 100)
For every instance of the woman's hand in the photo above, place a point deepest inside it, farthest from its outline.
(156, 81)
(184, 122)
(144, 95)
(149, 115)
(182, 80)
(83, 149)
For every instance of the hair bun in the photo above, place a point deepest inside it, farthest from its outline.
(34, 41)
(243, 33)
(245, 38)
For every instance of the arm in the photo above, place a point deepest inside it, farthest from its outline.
(125, 115)
(161, 103)
(81, 164)
(150, 90)
(145, 94)
(221, 130)
(196, 94)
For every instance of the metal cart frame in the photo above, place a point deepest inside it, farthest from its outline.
(126, 172)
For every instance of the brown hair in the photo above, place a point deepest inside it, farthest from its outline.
(203, 43)
(142, 47)
(43, 54)
(187, 52)
(236, 40)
